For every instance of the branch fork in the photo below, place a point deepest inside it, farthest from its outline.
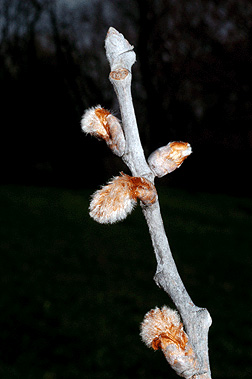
(185, 345)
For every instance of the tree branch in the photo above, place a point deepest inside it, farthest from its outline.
(196, 320)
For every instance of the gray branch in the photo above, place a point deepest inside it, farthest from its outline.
(196, 320)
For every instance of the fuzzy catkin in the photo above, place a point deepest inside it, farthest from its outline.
(158, 322)
(114, 201)
(162, 329)
(92, 122)
(100, 123)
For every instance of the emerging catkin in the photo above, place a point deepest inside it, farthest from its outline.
(162, 329)
(99, 122)
(114, 201)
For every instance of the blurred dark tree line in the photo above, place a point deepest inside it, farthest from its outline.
(192, 81)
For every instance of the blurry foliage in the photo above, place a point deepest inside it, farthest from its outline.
(73, 292)
(191, 82)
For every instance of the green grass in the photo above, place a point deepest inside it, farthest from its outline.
(74, 292)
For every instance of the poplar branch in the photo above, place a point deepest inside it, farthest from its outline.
(196, 320)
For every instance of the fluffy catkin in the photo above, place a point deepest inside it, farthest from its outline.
(112, 202)
(117, 199)
(100, 123)
(160, 322)
(162, 329)
(168, 158)
(94, 122)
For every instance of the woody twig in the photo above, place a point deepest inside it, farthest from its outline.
(185, 345)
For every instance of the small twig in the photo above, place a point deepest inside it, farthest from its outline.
(196, 320)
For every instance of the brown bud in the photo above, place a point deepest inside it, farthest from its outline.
(167, 158)
(142, 189)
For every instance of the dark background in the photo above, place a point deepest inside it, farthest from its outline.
(192, 81)
(73, 292)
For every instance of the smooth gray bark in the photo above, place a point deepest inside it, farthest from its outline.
(196, 320)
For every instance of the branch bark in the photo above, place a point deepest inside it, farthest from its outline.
(196, 320)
